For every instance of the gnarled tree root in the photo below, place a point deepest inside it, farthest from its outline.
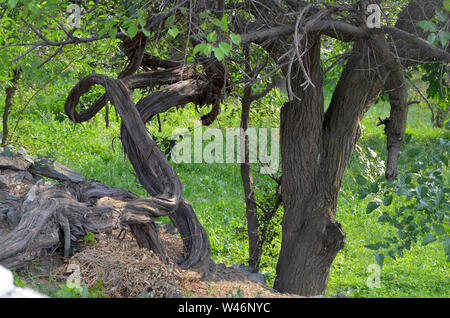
(66, 212)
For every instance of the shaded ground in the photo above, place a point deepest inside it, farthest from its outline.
(129, 271)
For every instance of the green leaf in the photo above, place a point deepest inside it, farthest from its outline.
(423, 205)
(399, 251)
(371, 206)
(208, 49)
(444, 142)
(183, 10)
(225, 47)
(428, 239)
(199, 48)
(112, 33)
(374, 187)
(218, 53)
(212, 36)
(441, 15)
(446, 243)
(432, 38)
(444, 37)
(235, 38)
(380, 259)
(132, 30)
(439, 198)
(362, 194)
(427, 25)
(438, 228)
(391, 254)
(421, 191)
(169, 20)
(407, 179)
(85, 290)
(360, 180)
(173, 32)
(142, 18)
(387, 200)
(224, 24)
(373, 247)
(204, 14)
(12, 3)
(146, 32)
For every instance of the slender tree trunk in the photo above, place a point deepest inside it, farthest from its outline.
(10, 90)
(254, 239)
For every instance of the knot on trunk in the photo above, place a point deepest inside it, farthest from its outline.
(334, 236)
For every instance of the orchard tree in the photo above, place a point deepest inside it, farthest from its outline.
(180, 52)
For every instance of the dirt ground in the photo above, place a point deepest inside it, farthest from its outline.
(128, 271)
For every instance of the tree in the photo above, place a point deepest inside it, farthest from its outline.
(316, 143)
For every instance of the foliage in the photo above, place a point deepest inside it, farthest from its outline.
(424, 216)
(77, 289)
(90, 238)
(437, 74)
(436, 37)
(19, 281)
(213, 43)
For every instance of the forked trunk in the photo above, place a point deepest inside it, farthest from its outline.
(315, 150)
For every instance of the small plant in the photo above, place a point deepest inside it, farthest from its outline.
(238, 294)
(77, 289)
(90, 238)
(19, 281)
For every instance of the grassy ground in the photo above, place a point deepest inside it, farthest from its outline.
(215, 191)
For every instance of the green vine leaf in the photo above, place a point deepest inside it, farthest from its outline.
(235, 38)
(132, 30)
(427, 25)
(212, 36)
(218, 53)
(428, 239)
(174, 32)
(371, 206)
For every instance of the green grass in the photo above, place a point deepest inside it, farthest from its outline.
(215, 192)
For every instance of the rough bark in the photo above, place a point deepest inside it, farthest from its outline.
(311, 235)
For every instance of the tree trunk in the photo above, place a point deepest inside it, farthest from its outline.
(10, 90)
(311, 237)
(315, 150)
(254, 237)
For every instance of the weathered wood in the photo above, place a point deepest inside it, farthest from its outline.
(152, 168)
(75, 209)
(15, 162)
(56, 171)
